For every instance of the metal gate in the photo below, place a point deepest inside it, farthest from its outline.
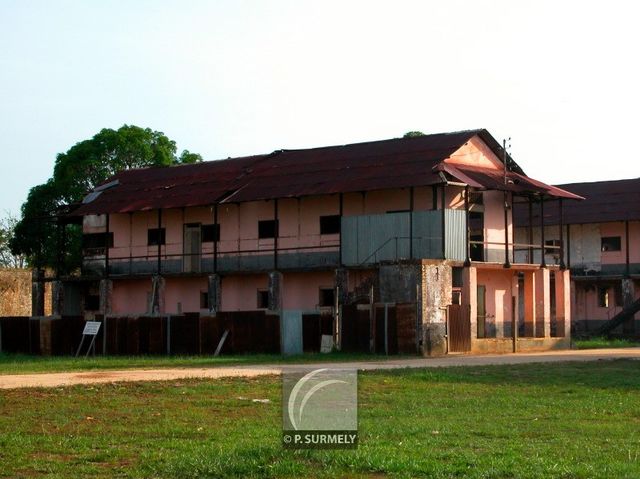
(459, 329)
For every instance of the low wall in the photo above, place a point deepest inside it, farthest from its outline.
(505, 345)
(248, 332)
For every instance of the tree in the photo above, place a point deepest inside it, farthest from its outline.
(413, 134)
(76, 172)
(7, 258)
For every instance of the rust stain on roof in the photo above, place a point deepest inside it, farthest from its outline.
(396, 163)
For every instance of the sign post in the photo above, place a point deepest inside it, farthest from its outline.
(91, 328)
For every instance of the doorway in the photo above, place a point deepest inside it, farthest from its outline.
(192, 248)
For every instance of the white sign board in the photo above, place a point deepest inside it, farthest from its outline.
(326, 343)
(91, 328)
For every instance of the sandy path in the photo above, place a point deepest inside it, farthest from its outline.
(92, 377)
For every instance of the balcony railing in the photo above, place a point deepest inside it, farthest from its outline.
(312, 257)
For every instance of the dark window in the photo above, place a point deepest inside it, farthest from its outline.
(327, 297)
(263, 299)
(611, 243)
(603, 296)
(617, 294)
(92, 302)
(204, 300)
(96, 240)
(210, 233)
(156, 236)
(267, 229)
(552, 246)
(475, 198)
(456, 297)
(330, 225)
(476, 251)
(456, 277)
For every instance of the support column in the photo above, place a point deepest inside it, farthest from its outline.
(628, 297)
(37, 292)
(342, 283)
(470, 297)
(156, 305)
(563, 303)
(214, 292)
(275, 291)
(436, 296)
(106, 293)
(543, 303)
(529, 304)
(57, 298)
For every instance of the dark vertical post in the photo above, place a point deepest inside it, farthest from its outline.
(561, 228)
(341, 212)
(277, 233)
(506, 230)
(411, 223)
(59, 252)
(530, 230)
(106, 248)
(216, 237)
(159, 266)
(434, 197)
(542, 242)
(626, 241)
(444, 240)
(467, 248)
(569, 246)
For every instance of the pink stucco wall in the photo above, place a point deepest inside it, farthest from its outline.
(500, 288)
(130, 296)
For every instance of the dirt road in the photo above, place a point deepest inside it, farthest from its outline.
(92, 377)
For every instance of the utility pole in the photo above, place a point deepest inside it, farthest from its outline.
(507, 264)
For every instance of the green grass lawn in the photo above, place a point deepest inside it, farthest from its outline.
(567, 420)
(22, 363)
(600, 343)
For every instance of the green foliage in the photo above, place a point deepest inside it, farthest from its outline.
(7, 258)
(413, 134)
(76, 172)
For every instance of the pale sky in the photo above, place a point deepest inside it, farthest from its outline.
(230, 78)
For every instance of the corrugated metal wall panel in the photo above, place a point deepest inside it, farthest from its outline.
(455, 234)
(427, 234)
(368, 239)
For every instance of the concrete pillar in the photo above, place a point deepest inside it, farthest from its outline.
(214, 291)
(156, 305)
(275, 291)
(106, 293)
(563, 303)
(57, 298)
(37, 292)
(436, 296)
(342, 283)
(514, 305)
(628, 297)
(529, 304)
(470, 297)
(543, 303)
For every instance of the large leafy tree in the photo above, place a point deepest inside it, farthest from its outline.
(79, 170)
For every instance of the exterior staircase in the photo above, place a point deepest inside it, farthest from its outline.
(622, 317)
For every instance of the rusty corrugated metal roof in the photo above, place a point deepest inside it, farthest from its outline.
(396, 163)
(617, 200)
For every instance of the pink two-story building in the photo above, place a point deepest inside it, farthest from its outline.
(402, 245)
(602, 238)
